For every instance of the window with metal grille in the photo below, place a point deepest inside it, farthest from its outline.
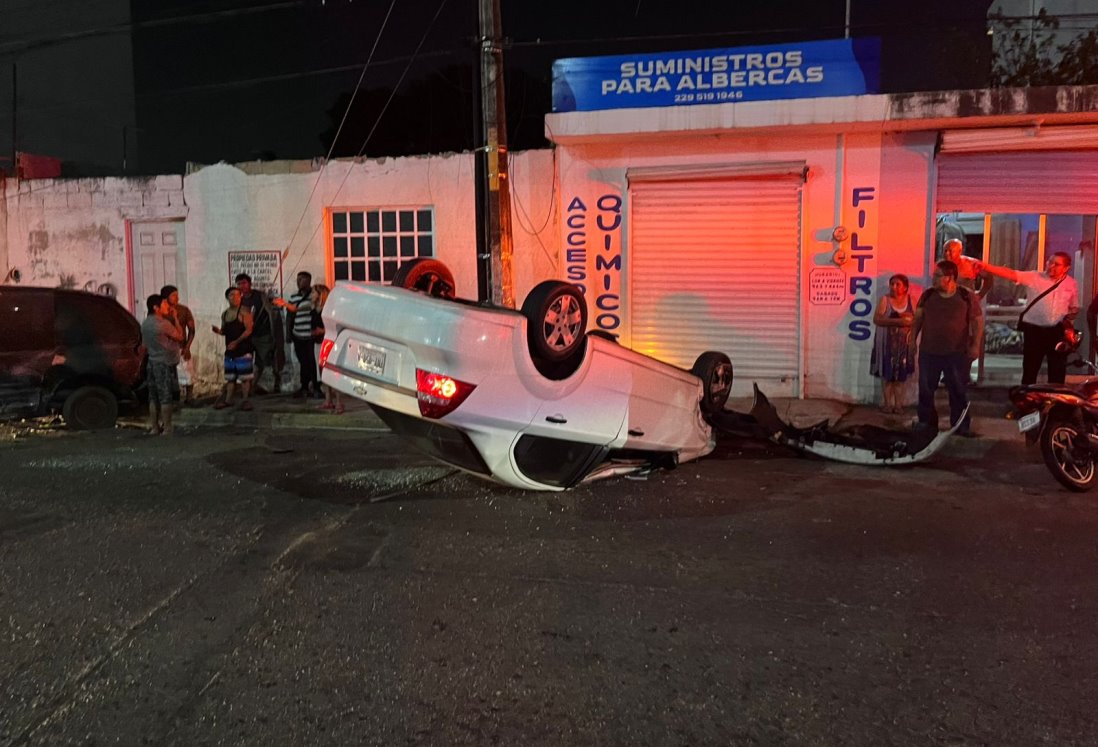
(369, 244)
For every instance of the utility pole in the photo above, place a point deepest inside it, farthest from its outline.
(494, 275)
(14, 118)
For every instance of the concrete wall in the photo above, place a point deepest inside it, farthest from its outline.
(230, 211)
(73, 233)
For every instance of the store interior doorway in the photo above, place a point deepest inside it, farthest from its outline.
(1021, 241)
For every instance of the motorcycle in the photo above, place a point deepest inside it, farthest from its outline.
(1063, 418)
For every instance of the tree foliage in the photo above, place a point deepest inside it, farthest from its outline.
(1029, 55)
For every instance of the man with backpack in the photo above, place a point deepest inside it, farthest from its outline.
(949, 324)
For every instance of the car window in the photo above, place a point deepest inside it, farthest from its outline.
(27, 321)
(88, 320)
(554, 461)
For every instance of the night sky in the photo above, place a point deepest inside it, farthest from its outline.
(241, 80)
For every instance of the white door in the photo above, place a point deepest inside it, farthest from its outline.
(157, 258)
(714, 265)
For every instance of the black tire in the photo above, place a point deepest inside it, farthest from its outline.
(90, 408)
(556, 320)
(1067, 455)
(715, 371)
(427, 276)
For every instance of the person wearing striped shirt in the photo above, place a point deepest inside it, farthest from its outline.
(300, 306)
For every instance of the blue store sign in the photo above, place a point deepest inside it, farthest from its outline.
(840, 67)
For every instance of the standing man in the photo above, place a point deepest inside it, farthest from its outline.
(163, 338)
(969, 275)
(236, 327)
(949, 324)
(300, 307)
(1054, 299)
(185, 319)
(263, 331)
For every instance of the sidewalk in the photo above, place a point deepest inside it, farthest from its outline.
(283, 411)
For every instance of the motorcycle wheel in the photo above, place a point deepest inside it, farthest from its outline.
(1067, 455)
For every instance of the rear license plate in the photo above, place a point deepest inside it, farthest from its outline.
(371, 360)
(1029, 422)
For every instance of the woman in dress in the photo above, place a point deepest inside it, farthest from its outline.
(893, 359)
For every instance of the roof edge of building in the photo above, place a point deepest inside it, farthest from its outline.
(870, 112)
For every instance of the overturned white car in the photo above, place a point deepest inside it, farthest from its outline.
(528, 398)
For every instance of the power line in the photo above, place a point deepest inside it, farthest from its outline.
(377, 121)
(870, 29)
(443, 53)
(248, 82)
(212, 16)
(343, 121)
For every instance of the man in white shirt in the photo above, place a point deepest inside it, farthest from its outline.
(1042, 327)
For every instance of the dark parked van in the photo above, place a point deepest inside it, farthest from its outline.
(67, 350)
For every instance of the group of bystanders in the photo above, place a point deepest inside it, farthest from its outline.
(255, 340)
(943, 332)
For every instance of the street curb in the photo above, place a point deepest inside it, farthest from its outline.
(364, 420)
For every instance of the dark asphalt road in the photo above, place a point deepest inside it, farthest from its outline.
(234, 587)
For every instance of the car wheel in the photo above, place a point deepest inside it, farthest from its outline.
(90, 408)
(1067, 454)
(556, 316)
(426, 276)
(715, 371)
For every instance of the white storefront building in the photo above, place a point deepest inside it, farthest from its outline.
(769, 229)
(766, 229)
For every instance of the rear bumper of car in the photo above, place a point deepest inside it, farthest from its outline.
(476, 445)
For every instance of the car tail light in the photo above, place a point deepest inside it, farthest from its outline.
(325, 351)
(439, 394)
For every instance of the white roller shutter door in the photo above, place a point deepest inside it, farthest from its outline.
(713, 264)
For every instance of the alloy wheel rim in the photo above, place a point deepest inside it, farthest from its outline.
(562, 321)
(1063, 443)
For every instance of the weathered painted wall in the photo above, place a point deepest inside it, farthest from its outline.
(72, 232)
(233, 211)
